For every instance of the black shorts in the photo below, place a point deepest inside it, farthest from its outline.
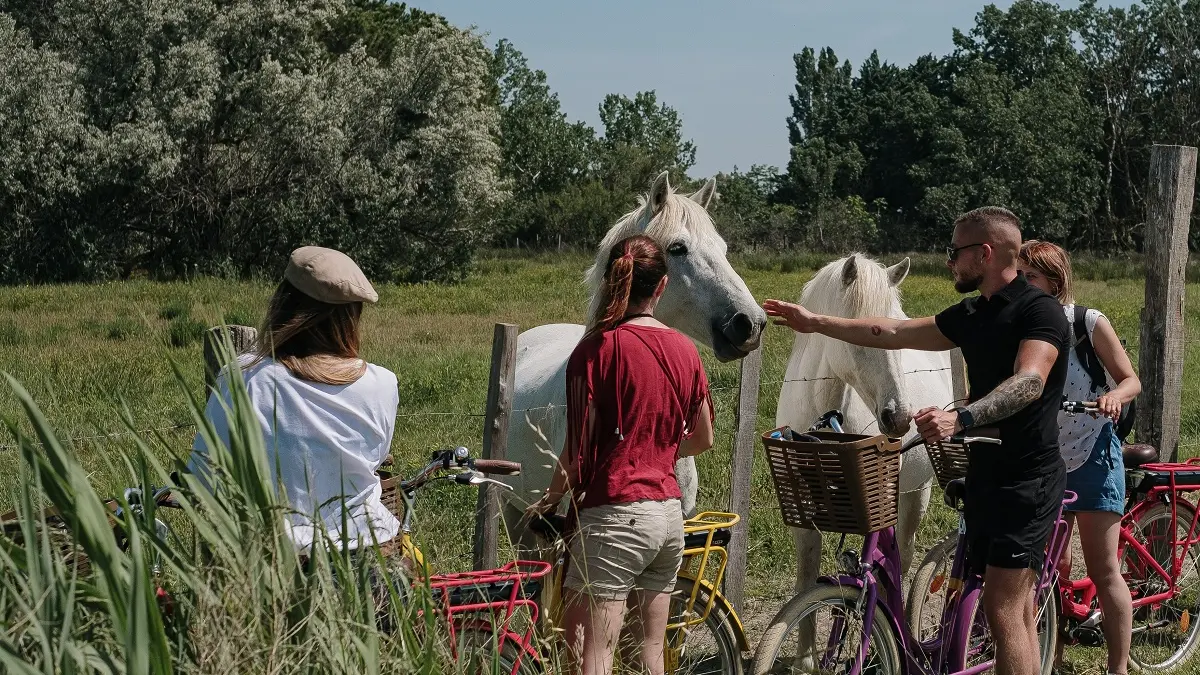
(1010, 522)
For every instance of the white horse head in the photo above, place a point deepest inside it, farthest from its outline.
(858, 287)
(705, 299)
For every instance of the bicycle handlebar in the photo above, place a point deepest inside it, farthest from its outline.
(459, 459)
(1078, 407)
(957, 439)
(497, 467)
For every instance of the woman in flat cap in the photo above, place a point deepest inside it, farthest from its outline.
(326, 415)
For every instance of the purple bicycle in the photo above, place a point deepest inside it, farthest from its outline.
(854, 623)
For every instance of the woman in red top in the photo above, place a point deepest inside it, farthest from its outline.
(637, 400)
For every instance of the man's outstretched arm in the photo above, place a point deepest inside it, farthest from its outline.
(881, 332)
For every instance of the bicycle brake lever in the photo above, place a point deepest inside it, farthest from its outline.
(476, 478)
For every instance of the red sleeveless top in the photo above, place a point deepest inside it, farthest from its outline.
(646, 384)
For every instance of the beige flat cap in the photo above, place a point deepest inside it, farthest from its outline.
(329, 276)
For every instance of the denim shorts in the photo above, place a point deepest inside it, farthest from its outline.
(1100, 482)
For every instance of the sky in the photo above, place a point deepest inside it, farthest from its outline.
(726, 66)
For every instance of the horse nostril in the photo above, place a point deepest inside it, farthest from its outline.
(740, 329)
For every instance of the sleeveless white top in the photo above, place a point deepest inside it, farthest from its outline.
(1077, 434)
(324, 443)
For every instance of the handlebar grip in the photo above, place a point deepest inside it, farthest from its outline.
(499, 467)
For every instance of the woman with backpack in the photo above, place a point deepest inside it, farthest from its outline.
(1098, 370)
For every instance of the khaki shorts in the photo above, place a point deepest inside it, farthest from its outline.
(619, 548)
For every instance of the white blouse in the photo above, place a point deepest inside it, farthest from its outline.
(1077, 433)
(324, 443)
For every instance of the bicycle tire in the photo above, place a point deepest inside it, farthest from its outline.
(882, 636)
(1145, 659)
(936, 561)
(727, 657)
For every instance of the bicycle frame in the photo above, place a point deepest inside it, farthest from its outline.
(517, 573)
(1079, 595)
(879, 570)
(698, 564)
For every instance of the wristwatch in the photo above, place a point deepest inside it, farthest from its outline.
(965, 419)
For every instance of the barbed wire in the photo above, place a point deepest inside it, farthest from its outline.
(477, 415)
(117, 434)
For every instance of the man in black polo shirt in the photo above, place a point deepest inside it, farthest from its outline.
(1014, 339)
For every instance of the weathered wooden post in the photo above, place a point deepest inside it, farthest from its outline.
(1161, 347)
(958, 376)
(744, 443)
(495, 440)
(241, 337)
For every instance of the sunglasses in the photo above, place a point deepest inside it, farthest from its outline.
(952, 253)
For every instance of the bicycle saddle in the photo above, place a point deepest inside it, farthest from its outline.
(549, 526)
(956, 493)
(1137, 454)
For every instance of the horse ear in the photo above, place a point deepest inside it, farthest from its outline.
(897, 272)
(706, 193)
(850, 270)
(659, 193)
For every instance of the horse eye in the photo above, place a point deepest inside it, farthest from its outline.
(677, 249)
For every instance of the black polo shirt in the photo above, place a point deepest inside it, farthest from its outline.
(989, 331)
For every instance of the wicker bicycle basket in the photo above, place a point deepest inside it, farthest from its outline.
(847, 483)
(57, 534)
(392, 496)
(949, 461)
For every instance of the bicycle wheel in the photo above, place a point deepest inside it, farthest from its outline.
(1165, 634)
(708, 647)
(927, 594)
(830, 617)
(478, 654)
(927, 600)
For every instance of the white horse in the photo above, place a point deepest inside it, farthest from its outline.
(877, 390)
(705, 299)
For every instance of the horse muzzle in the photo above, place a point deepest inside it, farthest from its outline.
(739, 335)
(894, 422)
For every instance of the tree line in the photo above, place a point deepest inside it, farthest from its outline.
(186, 137)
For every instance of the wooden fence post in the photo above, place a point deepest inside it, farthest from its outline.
(744, 443)
(1161, 343)
(242, 338)
(958, 376)
(495, 442)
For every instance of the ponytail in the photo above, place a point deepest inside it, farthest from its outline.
(635, 267)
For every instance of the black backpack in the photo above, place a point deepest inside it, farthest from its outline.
(1095, 370)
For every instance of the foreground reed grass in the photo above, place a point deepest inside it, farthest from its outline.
(233, 595)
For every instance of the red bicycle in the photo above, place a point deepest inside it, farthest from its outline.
(1159, 551)
(490, 614)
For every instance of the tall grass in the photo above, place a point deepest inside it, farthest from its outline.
(236, 596)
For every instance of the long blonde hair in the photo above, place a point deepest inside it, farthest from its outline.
(316, 341)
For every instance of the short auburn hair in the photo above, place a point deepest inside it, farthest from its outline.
(1052, 262)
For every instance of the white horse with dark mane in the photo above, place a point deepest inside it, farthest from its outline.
(704, 299)
(877, 390)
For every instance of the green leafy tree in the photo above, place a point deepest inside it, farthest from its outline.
(217, 136)
(642, 137)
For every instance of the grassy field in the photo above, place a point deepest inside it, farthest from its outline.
(91, 355)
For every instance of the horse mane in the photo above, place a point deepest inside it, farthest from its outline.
(679, 214)
(870, 294)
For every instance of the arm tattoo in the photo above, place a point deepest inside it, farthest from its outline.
(876, 330)
(1007, 399)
